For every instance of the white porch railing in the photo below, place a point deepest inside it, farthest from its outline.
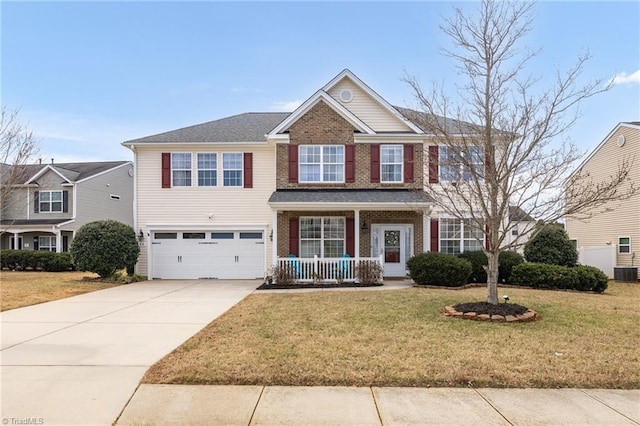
(327, 269)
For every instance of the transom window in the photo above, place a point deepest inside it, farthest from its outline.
(50, 201)
(323, 237)
(207, 169)
(457, 236)
(391, 160)
(181, 169)
(47, 243)
(455, 167)
(232, 169)
(624, 245)
(321, 163)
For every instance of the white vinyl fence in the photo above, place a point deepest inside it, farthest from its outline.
(602, 257)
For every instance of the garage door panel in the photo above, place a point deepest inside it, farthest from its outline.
(220, 254)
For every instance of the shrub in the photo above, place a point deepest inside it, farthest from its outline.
(551, 245)
(478, 261)
(591, 278)
(508, 260)
(28, 259)
(540, 275)
(284, 275)
(439, 269)
(104, 247)
(368, 272)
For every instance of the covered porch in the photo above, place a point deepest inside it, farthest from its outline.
(331, 235)
(35, 234)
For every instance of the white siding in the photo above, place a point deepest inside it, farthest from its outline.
(624, 219)
(368, 109)
(192, 206)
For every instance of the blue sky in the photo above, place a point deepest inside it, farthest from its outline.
(90, 75)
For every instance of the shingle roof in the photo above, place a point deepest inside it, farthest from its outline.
(349, 196)
(247, 127)
(516, 214)
(22, 222)
(71, 171)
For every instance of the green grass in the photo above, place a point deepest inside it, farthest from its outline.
(401, 338)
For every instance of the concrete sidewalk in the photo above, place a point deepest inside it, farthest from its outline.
(77, 361)
(276, 405)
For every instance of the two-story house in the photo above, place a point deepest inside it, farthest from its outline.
(619, 227)
(342, 176)
(48, 203)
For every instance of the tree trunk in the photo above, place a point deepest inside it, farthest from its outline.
(492, 278)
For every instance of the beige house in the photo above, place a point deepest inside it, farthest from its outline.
(338, 180)
(620, 226)
(48, 203)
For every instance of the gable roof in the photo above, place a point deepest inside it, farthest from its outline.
(247, 127)
(516, 214)
(71, 172)
(628, 124)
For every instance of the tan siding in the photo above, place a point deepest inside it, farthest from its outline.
(192, 205)
(368, 109)
(624, 218)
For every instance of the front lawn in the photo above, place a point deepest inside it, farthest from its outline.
(24, 288)
(400, 338)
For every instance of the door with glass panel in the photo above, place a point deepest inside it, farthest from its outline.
(395, 244)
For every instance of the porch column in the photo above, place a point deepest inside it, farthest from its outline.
(356, 224)
(58, 241)
(16, 236)
(274, 240)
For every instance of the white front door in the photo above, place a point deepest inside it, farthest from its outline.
(395, 243)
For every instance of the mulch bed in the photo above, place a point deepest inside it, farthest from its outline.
(266, 286)
(483, 311)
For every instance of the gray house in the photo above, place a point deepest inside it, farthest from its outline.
(48, 203)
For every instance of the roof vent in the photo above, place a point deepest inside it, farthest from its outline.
(620, 140)
(346, 95)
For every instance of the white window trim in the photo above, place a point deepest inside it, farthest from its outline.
(50, 202)
(217, 168)
(173, 185)
(401, 163)
(461, 167)
(322, 239)
(51, 246)
(322, 163)
(624, 245)
(222, 169)
(462, 239)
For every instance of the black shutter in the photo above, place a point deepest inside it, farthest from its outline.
(36, 202)
(65, 201)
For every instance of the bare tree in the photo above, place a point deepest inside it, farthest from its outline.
(18, 147)
(499, 142)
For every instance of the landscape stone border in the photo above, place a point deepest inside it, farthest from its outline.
(528, 316)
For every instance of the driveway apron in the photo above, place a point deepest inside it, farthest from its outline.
(77, 361)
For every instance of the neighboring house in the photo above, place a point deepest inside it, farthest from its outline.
(620, 226)
(338, 180)
(522, 228)
(48, 203)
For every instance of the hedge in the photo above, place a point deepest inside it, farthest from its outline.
(544, 276)
(35, 260)
(507, 260)
(439, 269)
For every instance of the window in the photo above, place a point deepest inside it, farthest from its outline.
(165, 235)
(181, 169)
(251, 235)
(391, 160)
(114, 196)
(47, 243)
(50, 202)
(455, 167)
(193, 235)
(321, 163)
(222, 235)
(323, 237)
(232, 169)
(457, 236)
(624, 245)
(207, 169)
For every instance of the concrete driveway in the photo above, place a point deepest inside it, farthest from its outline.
(79, 360)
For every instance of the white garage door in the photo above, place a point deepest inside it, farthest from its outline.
(208, 254)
